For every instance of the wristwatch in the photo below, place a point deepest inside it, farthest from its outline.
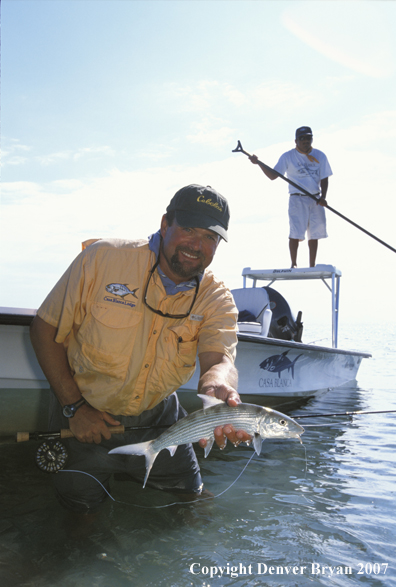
(71, 409)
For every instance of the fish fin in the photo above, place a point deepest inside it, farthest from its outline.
(208, 447)
(141, 448)
(209, 401)
(172, 449)
(257, 442)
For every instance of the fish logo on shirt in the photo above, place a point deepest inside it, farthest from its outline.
(121, 289)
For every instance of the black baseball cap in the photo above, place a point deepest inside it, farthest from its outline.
(302, 131)
(196, 206)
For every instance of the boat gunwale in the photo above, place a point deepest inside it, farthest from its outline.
(298, 345)
(25, 319)
(14, 319)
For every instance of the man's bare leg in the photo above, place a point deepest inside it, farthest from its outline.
(293, 248)
(313, 249)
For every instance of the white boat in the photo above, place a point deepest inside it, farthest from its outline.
(24, 390)
(274, 366)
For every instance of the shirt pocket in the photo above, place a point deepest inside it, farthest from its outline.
(184, 342)
(106, 340)
(175, 361)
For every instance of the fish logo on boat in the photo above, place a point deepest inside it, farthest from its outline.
(278, 363)
(121, 289)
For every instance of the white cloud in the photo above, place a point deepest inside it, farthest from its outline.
(51, 158)
(275, 94)
(43, 225)
(193, 98)
(18, 192)
(157, 152)
(207, 96)
(81, 153)
(92, 152)
(13, 153)
(234, 95)
(211, 131)
(355, 34)
(13, 160)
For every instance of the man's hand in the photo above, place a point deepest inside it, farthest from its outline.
(264, 168)
(89, 424)
(219, 379)
(322, 202)
(227, 432)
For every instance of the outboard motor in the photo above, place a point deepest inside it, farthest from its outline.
(283, 325)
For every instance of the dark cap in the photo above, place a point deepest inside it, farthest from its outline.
(196, 206)
(302, 131)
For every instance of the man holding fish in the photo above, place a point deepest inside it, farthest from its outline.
(119, 334)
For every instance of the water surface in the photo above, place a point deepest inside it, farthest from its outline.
(318, 513)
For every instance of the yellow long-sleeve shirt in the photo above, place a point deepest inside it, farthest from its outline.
(124, 357)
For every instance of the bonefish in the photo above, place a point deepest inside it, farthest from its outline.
(258, 421)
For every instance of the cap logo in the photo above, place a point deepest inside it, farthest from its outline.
(209, 202)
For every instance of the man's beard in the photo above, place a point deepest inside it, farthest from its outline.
(179, 268)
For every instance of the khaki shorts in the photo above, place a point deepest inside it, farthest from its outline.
(306, 216)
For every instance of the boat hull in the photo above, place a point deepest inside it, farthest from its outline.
(24, 390)
(271, 372)
(272, 368)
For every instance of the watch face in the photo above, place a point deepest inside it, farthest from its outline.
(68, 411)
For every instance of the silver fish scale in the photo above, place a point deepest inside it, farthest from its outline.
(201, 424)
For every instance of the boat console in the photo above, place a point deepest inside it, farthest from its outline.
(293, 328)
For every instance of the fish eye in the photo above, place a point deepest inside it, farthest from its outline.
(282, 422)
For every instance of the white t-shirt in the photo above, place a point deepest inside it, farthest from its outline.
(298, 168)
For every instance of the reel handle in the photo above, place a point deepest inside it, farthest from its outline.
(22, 436)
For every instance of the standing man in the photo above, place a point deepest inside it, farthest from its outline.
(310, 169)
(119, 334)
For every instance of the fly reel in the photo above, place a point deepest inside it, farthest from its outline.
(51, 456)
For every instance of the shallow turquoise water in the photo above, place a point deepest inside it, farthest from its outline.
(318, 513)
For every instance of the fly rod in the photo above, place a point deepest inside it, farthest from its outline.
(356, 413)
(67, 433)
(239, 149)
(51, 455)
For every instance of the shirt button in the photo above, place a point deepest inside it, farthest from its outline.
(154, 332)
(147, 365)
(137, 396)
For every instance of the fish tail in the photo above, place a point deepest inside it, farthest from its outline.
(293, 364)
(142, 448)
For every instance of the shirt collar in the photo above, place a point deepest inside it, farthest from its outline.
(170, 286)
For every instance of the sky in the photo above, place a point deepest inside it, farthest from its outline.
(108, 107)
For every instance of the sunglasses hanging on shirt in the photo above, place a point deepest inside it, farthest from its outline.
(166, 315)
